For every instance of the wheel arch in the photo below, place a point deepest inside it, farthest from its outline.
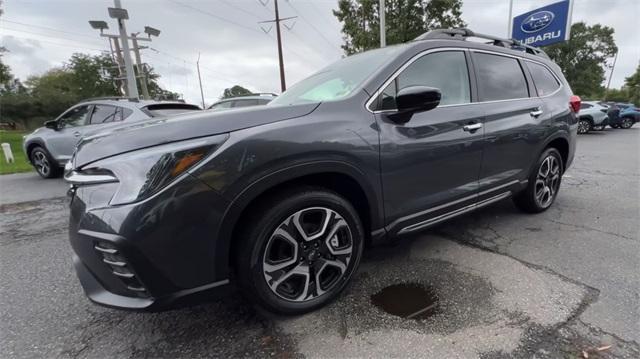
(33, 144)
(340, 177)
(560, 143)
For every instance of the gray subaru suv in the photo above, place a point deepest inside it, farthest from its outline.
(48, 148)
(280, 200)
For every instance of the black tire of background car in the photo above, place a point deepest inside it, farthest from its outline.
(525, 200)
(54, 170)
(584, 126)
(626, 123)
(260, 224)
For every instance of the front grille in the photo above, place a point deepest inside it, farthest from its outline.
(119, 267)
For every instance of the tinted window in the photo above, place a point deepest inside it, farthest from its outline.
(263, 102)
(103, 114)
(169, 109)
(245, 103)
(446, 71)
(544, 80)
(219, 105)
(584, 105)
(75, 117)
(500, 78)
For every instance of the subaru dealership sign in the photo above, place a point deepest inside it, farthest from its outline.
(544, 26)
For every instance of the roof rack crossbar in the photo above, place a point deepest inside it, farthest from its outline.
(463, 34)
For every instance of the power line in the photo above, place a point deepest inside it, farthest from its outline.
(46, 28)
(332, 45)
(58, 44)
(214, 15)
(51, 36)
(241, 9)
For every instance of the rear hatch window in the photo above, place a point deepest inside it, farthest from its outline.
(169, 109)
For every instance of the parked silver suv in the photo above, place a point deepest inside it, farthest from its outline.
(48, 148)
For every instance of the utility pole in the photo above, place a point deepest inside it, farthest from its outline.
(123, 52)
(510, 24)
(383, 29)
(132, 88)
(200, 80)
(277, 21)
(142, 73)
(615, 58)
(119, 62)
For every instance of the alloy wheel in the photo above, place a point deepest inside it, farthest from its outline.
(547, 181)
(583, 126)
(41, 163)
(626, 123)
(308, 254)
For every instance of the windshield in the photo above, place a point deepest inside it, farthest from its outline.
(337, 80)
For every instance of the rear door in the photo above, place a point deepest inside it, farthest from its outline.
(430, 164)
(514, 124)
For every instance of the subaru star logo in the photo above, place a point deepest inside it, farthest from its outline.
(537, 21)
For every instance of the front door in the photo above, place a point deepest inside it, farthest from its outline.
(62, 142)
(430, 164)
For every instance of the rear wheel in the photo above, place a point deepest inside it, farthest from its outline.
(299, 251)
(614, 126)
(626, 123)
(44, 163)
(584, 126)
(544, 183)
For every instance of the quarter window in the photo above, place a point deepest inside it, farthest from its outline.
(500, 78)
(544, 80)
(446, 71)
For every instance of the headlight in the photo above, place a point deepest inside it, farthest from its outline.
(143, 172)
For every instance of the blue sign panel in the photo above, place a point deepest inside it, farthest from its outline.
(544, 26)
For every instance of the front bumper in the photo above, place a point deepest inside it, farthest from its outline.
(152, 255)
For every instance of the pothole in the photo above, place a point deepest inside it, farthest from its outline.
(407, 300)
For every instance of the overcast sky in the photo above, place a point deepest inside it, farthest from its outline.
(41, 34)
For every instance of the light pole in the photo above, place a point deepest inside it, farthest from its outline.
(383, 30)
(120, 14)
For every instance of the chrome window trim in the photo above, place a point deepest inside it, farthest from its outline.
(430, 51)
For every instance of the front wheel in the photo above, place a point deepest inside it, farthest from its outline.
(299, 251)
(614, 126)
(544, 183)
(44, 163)
(626, 123)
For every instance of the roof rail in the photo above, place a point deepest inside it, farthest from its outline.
(259, 94)
(463, 34)
(115, 98)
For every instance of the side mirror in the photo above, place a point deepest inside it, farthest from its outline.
(52, 125)
(415, 99)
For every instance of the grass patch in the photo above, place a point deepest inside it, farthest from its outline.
(21, 164)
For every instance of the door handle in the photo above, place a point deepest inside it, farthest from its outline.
(472, 127)
(77, 134)
(536, 113)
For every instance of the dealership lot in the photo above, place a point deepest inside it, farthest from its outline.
(507, 284)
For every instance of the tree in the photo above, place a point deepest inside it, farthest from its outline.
(405, 20)
(632, 85)
(583, 59)
(235, 91)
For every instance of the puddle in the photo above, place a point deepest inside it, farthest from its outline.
(407, 300)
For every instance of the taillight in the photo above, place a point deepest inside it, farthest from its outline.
(574, 103)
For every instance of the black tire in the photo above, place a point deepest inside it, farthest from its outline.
(44, 164)
(529, 200)
(584, 126)
(626, 123)
(272, 232)
(614, 126)
(599, 128)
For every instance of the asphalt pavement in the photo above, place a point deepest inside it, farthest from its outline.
(507, 284)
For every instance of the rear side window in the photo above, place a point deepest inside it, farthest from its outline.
(500, 78)
(544, 80)
(245, 103)
(446, 71)
(103, 114)
(169, 109)
(122, 113)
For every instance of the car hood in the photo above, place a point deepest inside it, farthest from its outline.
(151, 133)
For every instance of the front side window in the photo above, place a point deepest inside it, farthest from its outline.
(245, 103)
(75, 117)
(103, 114)
(544, 80)
(585, 105)
(500, 78)
(446, 71)
(219, 105)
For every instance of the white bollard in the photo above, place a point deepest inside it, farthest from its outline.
(8, 155)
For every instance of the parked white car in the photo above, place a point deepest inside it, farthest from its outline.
(592, 116)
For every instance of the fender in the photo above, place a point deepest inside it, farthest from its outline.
(258, 187)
